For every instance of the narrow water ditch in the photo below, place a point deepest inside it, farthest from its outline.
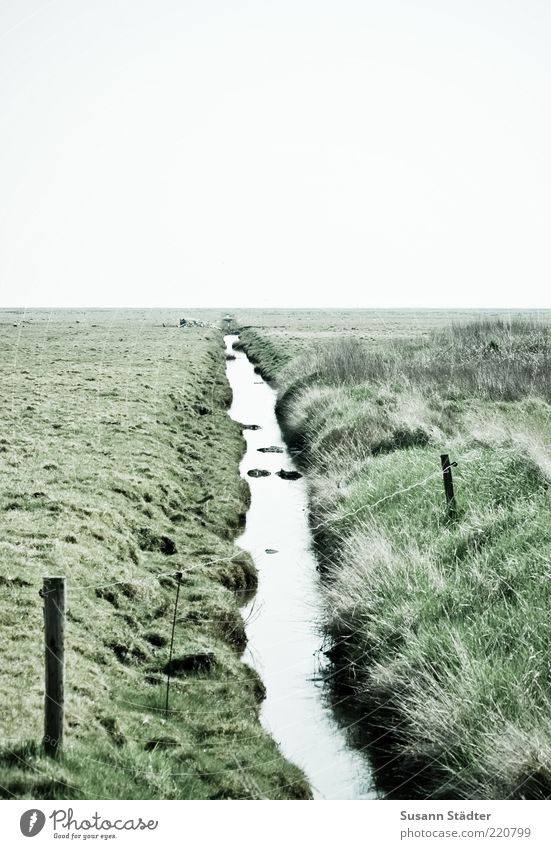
(282, 620)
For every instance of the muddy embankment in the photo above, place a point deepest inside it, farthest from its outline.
(126, 482)
(435, 622)
(284, 640)
(369, 728)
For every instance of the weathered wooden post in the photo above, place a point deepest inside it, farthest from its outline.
(53, 593)
(178, 577)
(448, 484)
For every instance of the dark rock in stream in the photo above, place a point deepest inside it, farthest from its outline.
(250, 427)
(288, 475)
(271, 551)
(273, 449)
(258, 473)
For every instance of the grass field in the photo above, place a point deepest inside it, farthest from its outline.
(440, 624)
(118, 468)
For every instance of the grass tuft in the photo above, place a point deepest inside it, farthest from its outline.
(123, 473)
(440, 628)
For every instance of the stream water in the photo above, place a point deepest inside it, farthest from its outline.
(282, 619)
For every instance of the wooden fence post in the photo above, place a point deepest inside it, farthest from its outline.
(169, 664)
(53, 593)
(448, 484)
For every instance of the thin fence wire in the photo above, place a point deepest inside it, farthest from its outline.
(172, 573)
(326, 523)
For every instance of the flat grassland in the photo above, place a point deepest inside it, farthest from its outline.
(118, 469)
(440, 622)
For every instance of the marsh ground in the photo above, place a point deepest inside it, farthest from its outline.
(440, 624)
(119, 468)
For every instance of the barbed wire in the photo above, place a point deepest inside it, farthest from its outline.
(235, 557)
(255, 553)
(340, 518)
(199, 773)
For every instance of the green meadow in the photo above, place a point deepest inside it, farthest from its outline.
(118, 470)
(439, 621)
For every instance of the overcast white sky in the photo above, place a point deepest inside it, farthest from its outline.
(285, 153)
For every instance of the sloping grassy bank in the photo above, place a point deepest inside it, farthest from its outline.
(268, 357)
(118, 469)
(440, 625)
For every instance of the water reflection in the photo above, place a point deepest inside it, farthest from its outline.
(284, 639)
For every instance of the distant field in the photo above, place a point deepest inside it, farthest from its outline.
(290, 332)
(375, 325)
(118, 468)
(440, 621)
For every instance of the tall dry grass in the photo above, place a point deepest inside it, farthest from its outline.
(497, 360)
(443, 628)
